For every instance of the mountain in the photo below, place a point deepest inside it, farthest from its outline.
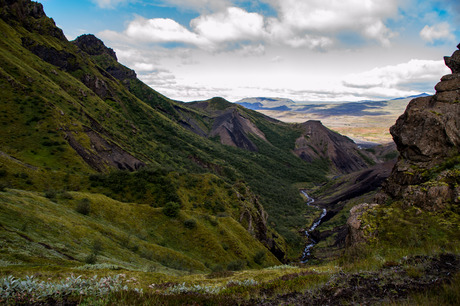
(76, 120)
(261, 103)
(319, 142)
(177, 203)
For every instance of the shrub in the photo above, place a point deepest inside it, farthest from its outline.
(67, 196)
(31, 291)
(97, 246)
(83, 206)
(171, 209)
(190, 223)
(217, 268)
(236, 265)
(91, 259)
(50, 194)
(259, 257)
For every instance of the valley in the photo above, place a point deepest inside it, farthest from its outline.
(112, 193)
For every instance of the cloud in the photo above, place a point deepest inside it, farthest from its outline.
(313, 25)
(233, 24)
(160, 30)
(251, 50)
(402, 76)
(209, 32)
(325, 18)
(437, 32)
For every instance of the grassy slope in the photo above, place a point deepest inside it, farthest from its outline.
(42, 104)
(41, 230)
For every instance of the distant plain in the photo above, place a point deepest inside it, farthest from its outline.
(364, 122)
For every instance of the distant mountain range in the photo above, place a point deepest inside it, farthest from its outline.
(333, 108)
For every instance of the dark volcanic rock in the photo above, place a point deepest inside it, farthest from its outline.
(229, 123)
(234, 129)
(427, 136)
(59, 58)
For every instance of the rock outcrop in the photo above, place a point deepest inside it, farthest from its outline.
(427, 136)
(356, 234)
(318, 142)
(96, 47)
(29, 15)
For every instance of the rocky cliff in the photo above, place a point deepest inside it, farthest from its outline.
(427, 136)
(419, 202)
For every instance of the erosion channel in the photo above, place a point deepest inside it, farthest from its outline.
(306, 255)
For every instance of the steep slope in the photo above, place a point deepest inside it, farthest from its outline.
(318, 142)
(230, 124)
(57, 231)
(71, 115)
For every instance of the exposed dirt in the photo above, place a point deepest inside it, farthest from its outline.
(317, 142)
(394, 282)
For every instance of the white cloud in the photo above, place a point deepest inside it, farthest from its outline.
(233, 24)
(329, 17)
(313, 25)
(210, 32)
(399, 76)
(160, 30)
(440, 31)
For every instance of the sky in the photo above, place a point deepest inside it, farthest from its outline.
(304, 50)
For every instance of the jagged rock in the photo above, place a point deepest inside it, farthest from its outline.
(60, 58)
(453, 62)
(356, 234)
(94, 46)
(104, 154)
(97, 85)
(30, 15)
(427, 136)
(254, 218)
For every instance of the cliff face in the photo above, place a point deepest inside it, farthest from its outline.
(428, 137)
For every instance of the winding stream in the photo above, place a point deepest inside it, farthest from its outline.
(307, 251)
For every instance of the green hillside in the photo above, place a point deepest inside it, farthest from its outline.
(75, 120)
(175, 203)
(74, 228)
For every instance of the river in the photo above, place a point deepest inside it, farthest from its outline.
(311, 242)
